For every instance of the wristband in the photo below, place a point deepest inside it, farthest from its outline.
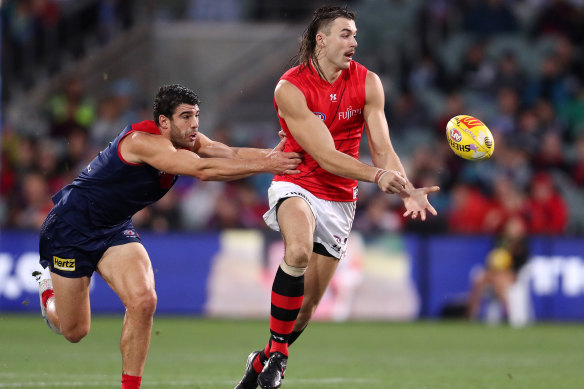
(379, 174)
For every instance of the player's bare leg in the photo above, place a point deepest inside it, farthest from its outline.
(297, 225)
(128, 271)
(69, 309)
(317, 278)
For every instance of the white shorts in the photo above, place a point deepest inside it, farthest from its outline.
(334, 219)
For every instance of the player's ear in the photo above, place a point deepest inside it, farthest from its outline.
(320, 41)
(164, 121)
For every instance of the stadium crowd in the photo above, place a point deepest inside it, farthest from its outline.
(517, 67)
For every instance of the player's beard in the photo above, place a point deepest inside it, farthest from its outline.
(181, 138)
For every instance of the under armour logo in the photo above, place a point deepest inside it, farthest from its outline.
(333, 97)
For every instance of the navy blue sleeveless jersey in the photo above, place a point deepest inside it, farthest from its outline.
(109, 191)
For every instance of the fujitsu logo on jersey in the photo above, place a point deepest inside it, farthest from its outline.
(350, 112)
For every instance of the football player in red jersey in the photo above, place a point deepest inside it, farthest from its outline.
(323, 105)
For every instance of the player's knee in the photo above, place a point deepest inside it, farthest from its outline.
(74, 334)
(145, 303)
(297, 255)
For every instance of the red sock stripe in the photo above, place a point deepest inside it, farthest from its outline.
(267, 349)
(280, 347)
(257, 365)
(47, 294)
(131, 382)
(280, 326)
(286, 302)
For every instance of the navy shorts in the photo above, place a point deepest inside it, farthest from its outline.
(71, 253)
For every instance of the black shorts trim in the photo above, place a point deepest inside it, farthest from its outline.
(319, 248)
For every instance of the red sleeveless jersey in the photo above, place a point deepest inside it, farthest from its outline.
(340, 106)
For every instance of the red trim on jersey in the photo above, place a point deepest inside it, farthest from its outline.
(286, 302)
(145, 126)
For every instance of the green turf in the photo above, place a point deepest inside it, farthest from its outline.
(197, 353)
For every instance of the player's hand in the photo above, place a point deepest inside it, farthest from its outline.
(417, 202)
(279, 162)
(393, 181)
(282, 135)
(280, 146)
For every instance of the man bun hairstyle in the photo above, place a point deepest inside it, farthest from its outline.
(171, 96)
(322, 16)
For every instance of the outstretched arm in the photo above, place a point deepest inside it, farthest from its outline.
(383, 153)
(158, 152)
(207, 148)
(314, 137)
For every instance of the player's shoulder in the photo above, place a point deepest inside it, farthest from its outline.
(356, 67)
(288, 90)
(147, 126)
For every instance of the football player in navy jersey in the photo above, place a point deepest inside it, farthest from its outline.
(90, 227)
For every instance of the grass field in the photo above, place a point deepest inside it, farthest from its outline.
(200, 353)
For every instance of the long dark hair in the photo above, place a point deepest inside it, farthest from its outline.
(322, 16)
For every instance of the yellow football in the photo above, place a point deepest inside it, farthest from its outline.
(469, 138)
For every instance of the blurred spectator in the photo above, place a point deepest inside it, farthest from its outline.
(115, 111)
(509, 73)
(548, 213)
(577, 170)
(558, 17)
(378, 216)
(490, 17)
(528, 132)
(48, 163)
(547, 117)
(225, 213)
(503, 263)
(550, 156)
(550, 84)
(70, 109)
(508, 202)
(198, 203)
(35, 202)
(427, 73)
(477, 73)
(109, 122)
(253, 205)
(77, 154)
(407, 112)
(160, 217)
(504, 120)
(467, 209)
(572, 113)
